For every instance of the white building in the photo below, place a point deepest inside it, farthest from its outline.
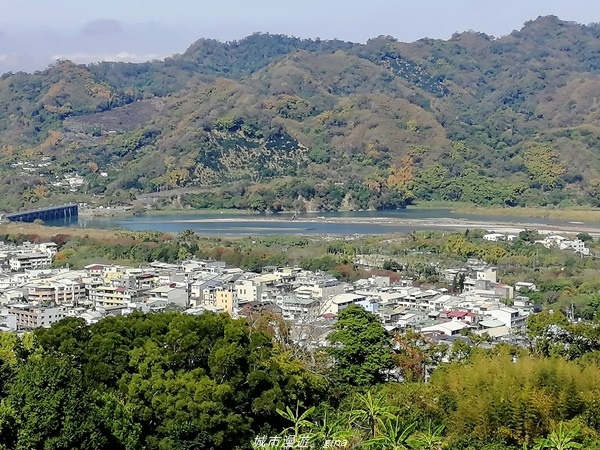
(525, 285)
(493, 237)
(203, 291)
(29, 261)
(338, 302)
(48, 247)
(488, 274)
(248, 291)
(319, 290)
(109, 296)
(448, 328)
(576, 245)
(8, 321)
(296, 308)
(510, 317)
(175, 295)
(440, 302)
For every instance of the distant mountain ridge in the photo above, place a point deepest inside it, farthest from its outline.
(273, 122)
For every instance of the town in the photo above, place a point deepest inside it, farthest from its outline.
(372, 225)
(474, 299)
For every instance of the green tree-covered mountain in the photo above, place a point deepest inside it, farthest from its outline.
(275, 122)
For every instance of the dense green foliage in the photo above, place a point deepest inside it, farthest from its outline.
(275, 123)
(171, 381)
(360, 347)
(207, 378)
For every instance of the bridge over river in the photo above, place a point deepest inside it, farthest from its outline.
(45, 214)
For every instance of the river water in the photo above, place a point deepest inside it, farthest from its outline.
(331, 223)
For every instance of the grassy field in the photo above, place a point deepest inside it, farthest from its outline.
(48, 232)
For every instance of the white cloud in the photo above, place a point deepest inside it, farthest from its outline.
(131, 57)
(32, 49)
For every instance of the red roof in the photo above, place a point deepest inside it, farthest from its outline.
(470, 314)
(96, 267)
(459, 314)
(329, 316)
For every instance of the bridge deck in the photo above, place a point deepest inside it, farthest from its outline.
(42, 211)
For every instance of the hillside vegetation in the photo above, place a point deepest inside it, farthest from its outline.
(279, 123)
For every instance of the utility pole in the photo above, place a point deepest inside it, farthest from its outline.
(571, 313)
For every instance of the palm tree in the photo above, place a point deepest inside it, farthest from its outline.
(187, 235)
(371, 413)
(300, 421)
(333, 429)
(560, 438)
(394, 436)
(428, 440)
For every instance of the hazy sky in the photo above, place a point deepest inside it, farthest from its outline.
(33, 33)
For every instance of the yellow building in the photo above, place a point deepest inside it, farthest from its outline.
(226, 300)
(107, 296)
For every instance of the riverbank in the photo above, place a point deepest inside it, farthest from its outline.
(133, 212)
(574, 214)
(579, 214)
(105, 212)
(47, 232)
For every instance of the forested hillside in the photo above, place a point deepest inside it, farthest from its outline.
(278, 123)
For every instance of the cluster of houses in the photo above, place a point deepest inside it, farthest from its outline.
(32, 167)
(27, 256)
(69, 181)
(310, 301)
(562, 243)
(550, 240)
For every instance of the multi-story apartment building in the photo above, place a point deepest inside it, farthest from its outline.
(108, 296)
(137, 281)
(29, 261)
(226, 299)
(62, 291)
(175, 295)
(30, 317)
(248, 290)
(296, 308)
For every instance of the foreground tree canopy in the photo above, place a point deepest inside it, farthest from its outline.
(158, 381)
(173, 381)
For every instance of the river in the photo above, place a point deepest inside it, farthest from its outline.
(331, 223)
